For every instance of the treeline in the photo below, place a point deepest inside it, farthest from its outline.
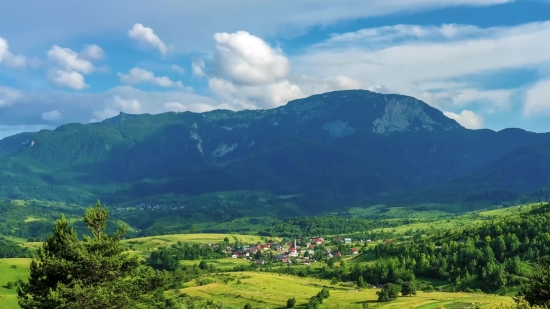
(325, 225)
(167, 258)
(491, 257)
(10, 249)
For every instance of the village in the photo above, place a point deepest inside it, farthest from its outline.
(297, 251)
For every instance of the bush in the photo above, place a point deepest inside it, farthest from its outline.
(291, 302)
(247, 306)
(429, 288)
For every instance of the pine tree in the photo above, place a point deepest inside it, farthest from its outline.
(91, 273)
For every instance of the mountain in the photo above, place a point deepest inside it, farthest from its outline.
(324, 152)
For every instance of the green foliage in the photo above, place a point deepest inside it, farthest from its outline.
(90, 273)
(389, 292)
(361, 282)
(537, 290)
(291, 302)
(408, 288)
(10, 249)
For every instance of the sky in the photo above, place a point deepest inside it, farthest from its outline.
(484, 63)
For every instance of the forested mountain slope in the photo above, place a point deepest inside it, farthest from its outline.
(329, 150)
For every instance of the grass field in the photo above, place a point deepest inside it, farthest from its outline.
(266, 290)
(8, 274)
(144, 245)
(219, 263)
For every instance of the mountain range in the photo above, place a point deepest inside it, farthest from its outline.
(323, 153)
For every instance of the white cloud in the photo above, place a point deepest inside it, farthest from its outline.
(192, 22)
(69, 60)
(51, 115)
(137, 76)
(246, 59)
(197, 66)
(146, 35)
(254, 97)
(467, 119)
(127, 106)
(93, 52)
(436, 65)
(196, 107)
(8, 96)
(71, 79)
(103, 114)
(15, 61)
(178, 69)
(537, 99)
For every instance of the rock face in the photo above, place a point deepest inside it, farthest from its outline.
(342, 144)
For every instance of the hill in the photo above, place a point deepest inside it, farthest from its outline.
(322, 153)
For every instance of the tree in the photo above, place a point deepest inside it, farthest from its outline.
(248, 306)
(291, 302)
(203, 265)
(389, 292)
(537, 291)
(361, 282)
(408, 288)
(91, 273)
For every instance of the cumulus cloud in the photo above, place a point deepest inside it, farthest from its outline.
(246, 59)
(148, 36)
(247, 73)
(537, 99)
(137, 76)
(51, 115)
(467, 119)
(15, 61)
(69, 66)
(178, 69)
(93, 52)
(197, 66)
(71, 79)
(8, 96)
(69, 60)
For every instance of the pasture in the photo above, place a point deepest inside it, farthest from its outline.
(267, 290)
(9, 274)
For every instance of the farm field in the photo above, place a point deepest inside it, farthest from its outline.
(267, 290)
(225, 264)
(144, 245)
(8, 274)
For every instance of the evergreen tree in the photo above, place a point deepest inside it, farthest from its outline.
(361, 282)
(90, 273)
(291, 302)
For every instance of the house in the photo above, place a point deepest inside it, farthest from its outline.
(388, 241)
(329, 256)
(260, 262)
(347, 241)
(285, 260)
(368, 240)
(307, 262)
(293, 252)
(311, 247)
(234, 255)
(340, 239)
(276, 247)
(253, 250)
(266, 247)
(354, 251)
(319, 241)
(338, 253)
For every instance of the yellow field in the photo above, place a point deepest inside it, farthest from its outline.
(144, 245)
(219, 263)
(8, 274)
(266, 290)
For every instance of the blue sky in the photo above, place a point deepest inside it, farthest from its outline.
(485, 63)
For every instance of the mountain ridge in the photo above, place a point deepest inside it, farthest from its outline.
(357, 145)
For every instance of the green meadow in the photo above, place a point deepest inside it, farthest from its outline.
(8, 297)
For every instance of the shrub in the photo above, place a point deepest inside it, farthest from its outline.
(291, 302)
